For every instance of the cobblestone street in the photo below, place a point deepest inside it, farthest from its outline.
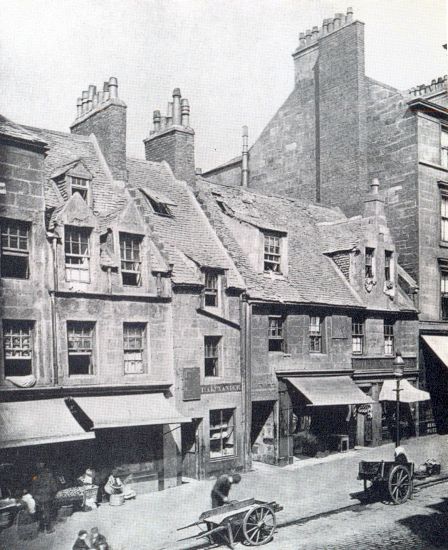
(419, 524)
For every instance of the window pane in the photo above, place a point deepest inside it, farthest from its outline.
(17, 348)
(14, 243)
(222, 433)
(80, 347)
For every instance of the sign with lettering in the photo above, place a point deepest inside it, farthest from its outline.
(220, 388)
(191, 384)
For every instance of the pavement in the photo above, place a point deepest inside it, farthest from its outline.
(306, 489)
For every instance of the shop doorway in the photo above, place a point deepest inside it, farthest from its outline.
(192, 449)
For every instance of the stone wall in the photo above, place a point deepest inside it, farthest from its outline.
(220, 392)
(21, 168)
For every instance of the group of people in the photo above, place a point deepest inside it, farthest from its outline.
(93, 541)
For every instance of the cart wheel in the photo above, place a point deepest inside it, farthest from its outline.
(259, 525)
(400, 484)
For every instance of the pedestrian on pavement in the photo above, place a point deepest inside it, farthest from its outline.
(400, 455)
(97, 540)
(80, 542)
(221, 489)
(44, 489)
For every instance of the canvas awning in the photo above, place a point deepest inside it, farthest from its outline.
(324, 391)
(439, 345)
(116, 411)
(38, 422)
(408, 393)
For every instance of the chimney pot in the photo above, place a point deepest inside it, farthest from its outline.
(349, 17)
(78, 107)
(185, 113)
(169, 113)
(177, 117)
(85, 96)
(374, 186)
(198, 171)
(156, 120)
(113, 87)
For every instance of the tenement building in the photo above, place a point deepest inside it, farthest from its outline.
(120, 334)
(324, 315)
(339, 129)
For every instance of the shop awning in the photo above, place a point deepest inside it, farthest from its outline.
(408, 393)
(439, 345)
(325, 391)
(115, 411)
(38, 422)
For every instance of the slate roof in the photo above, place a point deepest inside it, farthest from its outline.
(64, 150)
(188, 238)
(15, 131)
(312, 277)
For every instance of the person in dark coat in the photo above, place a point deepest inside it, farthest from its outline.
(221, 489)
(80, 542)
(97, 540)
(44, 489)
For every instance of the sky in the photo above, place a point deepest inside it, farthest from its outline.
(230, 58)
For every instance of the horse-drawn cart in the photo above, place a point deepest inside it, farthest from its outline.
(250, 521)
(389, 479)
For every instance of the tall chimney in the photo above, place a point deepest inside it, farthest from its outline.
(173, 142)
(104, 115)
(245, 159)
(374, 203)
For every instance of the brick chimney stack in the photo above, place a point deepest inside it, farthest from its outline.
(103, 114)
(172, 139)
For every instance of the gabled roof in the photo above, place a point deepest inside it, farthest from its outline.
(65, 151)
(312, 277)
(187, 237)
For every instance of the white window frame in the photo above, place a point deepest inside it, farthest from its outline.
(77, 264)
(222, 431)
(134, 348)
(132, 264)
(18, 344)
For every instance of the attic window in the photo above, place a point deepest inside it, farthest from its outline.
(81, 186)
(272, 255)
(160, 208)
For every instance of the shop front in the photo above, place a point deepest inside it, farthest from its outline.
(137, 435)
(319, 414)
(434, 359)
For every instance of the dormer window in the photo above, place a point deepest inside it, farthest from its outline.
(81, 186)
(211, 289)
(160, 208)
(77, 254)
(272, 256)
(131, 262)
(160, 205)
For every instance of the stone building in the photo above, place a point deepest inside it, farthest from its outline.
(120, 309)
(339, 129)
(322, 330)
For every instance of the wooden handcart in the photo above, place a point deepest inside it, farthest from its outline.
(251, 521)
(389, 479)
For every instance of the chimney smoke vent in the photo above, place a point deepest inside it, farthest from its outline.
(176, 107)
(113, 87)
(185, 113)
